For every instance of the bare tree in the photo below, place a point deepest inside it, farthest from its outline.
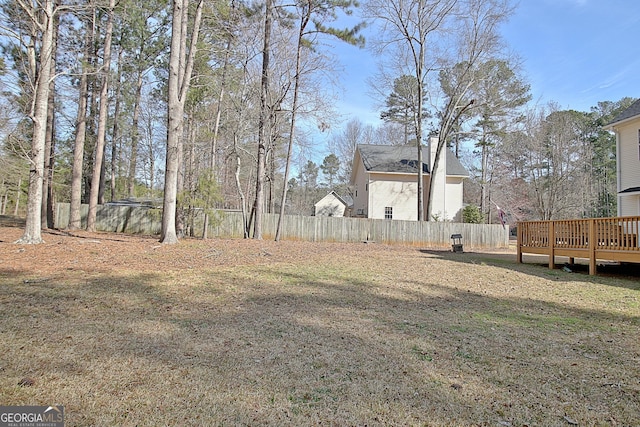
(438, 35)
(180, 68)
(102, 122)
(344, 144)
(50, 148)
(263, 125)
(316, 13)
(409, 27)
(40, 54)
(477, 42)
(80, 129)
(543, 164)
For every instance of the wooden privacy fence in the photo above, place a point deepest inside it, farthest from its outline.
(143, 220)
(332, 229)
(117, 219)
(613, 239)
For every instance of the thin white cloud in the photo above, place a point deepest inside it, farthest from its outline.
(621, 75)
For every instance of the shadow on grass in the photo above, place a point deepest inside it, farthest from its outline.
(626, 275)
(296, 345)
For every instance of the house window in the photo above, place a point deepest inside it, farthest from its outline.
(638, 144)
(388, 212)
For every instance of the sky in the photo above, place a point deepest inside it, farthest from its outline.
(574, 53)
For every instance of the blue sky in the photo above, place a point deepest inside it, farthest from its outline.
(578, 52)
(574, 52)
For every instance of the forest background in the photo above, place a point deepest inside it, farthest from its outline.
(255, 90)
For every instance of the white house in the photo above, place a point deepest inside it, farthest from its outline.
(385, 182)
(331, 205)
(627, 129)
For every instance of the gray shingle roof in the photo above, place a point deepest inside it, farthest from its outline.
(632, 111)
(403, 159)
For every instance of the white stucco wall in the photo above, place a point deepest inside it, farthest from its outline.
(398, 191)
(454, 198)
(440, 203)
(360, 193)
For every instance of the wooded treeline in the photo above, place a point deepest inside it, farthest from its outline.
(214, 105)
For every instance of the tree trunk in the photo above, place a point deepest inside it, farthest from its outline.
(102, 124)
(49, 160)
(485, 206)
(116, 129)
(419, 75)
(47, 179)
(152, 161)
(221, 94)
(292, 127)
(180, 68)
(18, 193)
(135, 136)
(78, 148)
(174, 123)
(49, 205)
(33, 226)
(263, 134)
(243, 203)
(103, 176)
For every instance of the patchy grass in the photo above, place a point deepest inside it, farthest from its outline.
(123, 331)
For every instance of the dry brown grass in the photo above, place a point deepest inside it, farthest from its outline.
(123, 331)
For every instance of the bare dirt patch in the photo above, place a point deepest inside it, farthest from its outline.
(125, 331)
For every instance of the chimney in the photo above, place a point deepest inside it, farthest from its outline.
(433, 146)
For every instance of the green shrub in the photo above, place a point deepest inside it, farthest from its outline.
(471, 214)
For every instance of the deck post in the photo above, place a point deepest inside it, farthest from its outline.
(552, 245)
(592, 246)
(519, 231)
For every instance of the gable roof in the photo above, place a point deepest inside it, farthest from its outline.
(403, 159)
(630, 113)
(336, 196)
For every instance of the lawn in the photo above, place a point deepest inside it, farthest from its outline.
(124, 331)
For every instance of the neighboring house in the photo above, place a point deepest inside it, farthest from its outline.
(627, 129)
(385, 182)
(331, 205)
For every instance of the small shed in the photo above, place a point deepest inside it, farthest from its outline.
(331, 205)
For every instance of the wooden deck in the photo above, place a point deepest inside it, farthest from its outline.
(611, 239)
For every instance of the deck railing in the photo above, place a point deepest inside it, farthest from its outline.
(614, 238)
